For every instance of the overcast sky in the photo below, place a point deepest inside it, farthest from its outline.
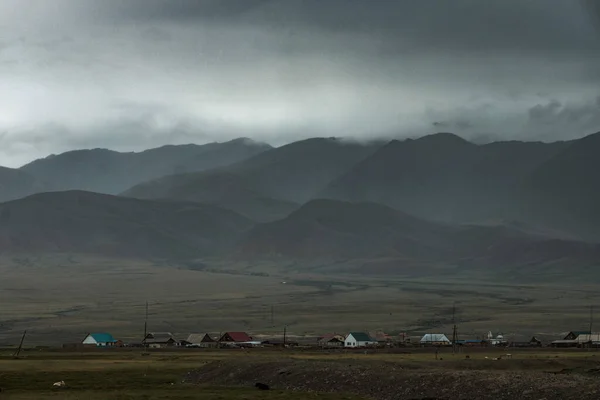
(134, 74)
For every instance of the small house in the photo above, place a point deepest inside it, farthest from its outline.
(160, 340)
(573, 335)
(588, 339)
(101, 340)
(235, 337)
(382, 337)
(435, 339)
(331, 340)
(359, 339)
(200, 340)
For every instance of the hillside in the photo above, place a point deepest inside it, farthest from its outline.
(83, 222)
(267, 186)
(15, 183)
(335, 230)
(564, 191)
(443, 177)
(111, 172)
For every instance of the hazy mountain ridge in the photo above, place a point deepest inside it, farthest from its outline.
(92, 223)
(111, 172)
(438, 200)
(267, 186)
(335, 230)
(77, 222)
(15, 183)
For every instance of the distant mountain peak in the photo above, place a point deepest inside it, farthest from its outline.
(444, 138)
(248, 142)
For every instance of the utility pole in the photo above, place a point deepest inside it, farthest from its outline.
(16, 355)
(272, 320)
(284, 335)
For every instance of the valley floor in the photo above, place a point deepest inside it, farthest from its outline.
(59, 300)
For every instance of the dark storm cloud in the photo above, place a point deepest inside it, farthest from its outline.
(469, 24)
(130, 74)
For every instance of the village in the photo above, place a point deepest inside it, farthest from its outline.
(351, 340)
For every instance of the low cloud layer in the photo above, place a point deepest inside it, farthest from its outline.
(134, 74)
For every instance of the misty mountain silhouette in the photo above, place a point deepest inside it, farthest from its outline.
(437, 199)
(92, 223)
(112, 172)
(328, 229)
(15, 183)
(266, 186)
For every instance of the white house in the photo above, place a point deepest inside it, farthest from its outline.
(435, 339)
(359, 339)
(100, 339)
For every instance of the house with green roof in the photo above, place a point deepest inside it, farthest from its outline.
(101, 340)
(359, 339)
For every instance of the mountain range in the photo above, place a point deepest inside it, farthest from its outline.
(437, 199)
(111, 172)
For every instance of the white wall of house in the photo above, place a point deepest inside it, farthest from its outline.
(90, 340)
(352, 342)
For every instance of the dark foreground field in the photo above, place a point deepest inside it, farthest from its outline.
(231, 374)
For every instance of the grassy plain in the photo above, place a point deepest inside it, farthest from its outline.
(60, 299)
(127, 374)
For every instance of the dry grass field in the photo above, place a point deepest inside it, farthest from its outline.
(295, 374)
(60, 299)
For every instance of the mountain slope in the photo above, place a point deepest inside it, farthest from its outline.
(564, 191)
(111, 172)
(267, 186)
(83, 222)
(329, 229)
(15, 183)
(444, 177)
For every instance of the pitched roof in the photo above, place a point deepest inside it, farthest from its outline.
(434, 337)
(103, 337)
(239, 336)
(156, 337)
(361, 337)
(195, 338)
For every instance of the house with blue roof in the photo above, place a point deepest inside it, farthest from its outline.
(101, 340)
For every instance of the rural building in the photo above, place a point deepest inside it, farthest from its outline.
(201, 340)
(359, 339)
(578, 339)
(471, 342)
(235, 337)
(575, 334)
(381, 337)
(435, 339)
(331, 340)
(160, 339)
(534, 342)
(496, 341)
(101, 340)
